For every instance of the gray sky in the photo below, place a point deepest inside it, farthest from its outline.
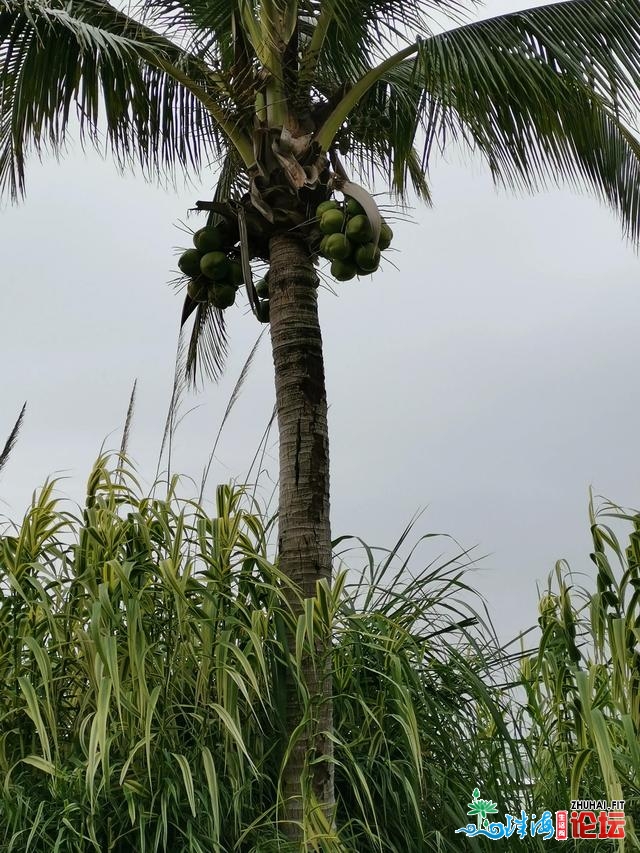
(491, 377)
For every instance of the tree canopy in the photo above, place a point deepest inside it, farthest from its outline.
(548, 94)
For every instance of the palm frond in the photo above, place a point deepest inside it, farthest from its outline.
(208, 345)
(381, 131)
(545, 95)
(358, 34)
(232, 180)
(13, 437)
(85, 62)
(188, 308)
(212, 32)
(188, 17)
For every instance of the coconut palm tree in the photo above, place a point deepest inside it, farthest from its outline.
(288, 98)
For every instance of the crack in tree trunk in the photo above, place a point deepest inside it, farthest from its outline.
(298, 445)
(304, 532)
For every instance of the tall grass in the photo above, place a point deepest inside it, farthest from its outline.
(582, 713)
(144, 658)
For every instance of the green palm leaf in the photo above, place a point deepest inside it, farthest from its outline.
(543, 95)
(546, 95)
(208, 344)
(89, 66)
(381, 130)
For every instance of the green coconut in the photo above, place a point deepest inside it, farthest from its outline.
(353, 207)
(367, 257)
(236, 276)
(214, 265)
(386, 236)
(263, 310)
(189, 262)
(222, 295)
(337, 247)
(197, 234)
(326, 205)
(359, 229)
(208, 240)
(198, 289)
(223, 278)
(262, 288)
(343, 270)
(331, 222)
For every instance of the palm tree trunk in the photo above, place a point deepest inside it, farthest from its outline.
(304, 543)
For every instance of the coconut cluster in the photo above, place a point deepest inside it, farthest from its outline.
(348, 239)
(213, 267)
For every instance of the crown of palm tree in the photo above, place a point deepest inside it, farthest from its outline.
(549, 94)
(179, 84)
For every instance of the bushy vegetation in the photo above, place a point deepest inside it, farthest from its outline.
(582, 713)
(146, 645)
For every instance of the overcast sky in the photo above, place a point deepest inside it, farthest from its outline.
(490, 378)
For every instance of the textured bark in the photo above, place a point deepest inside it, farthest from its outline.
(304, 543)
